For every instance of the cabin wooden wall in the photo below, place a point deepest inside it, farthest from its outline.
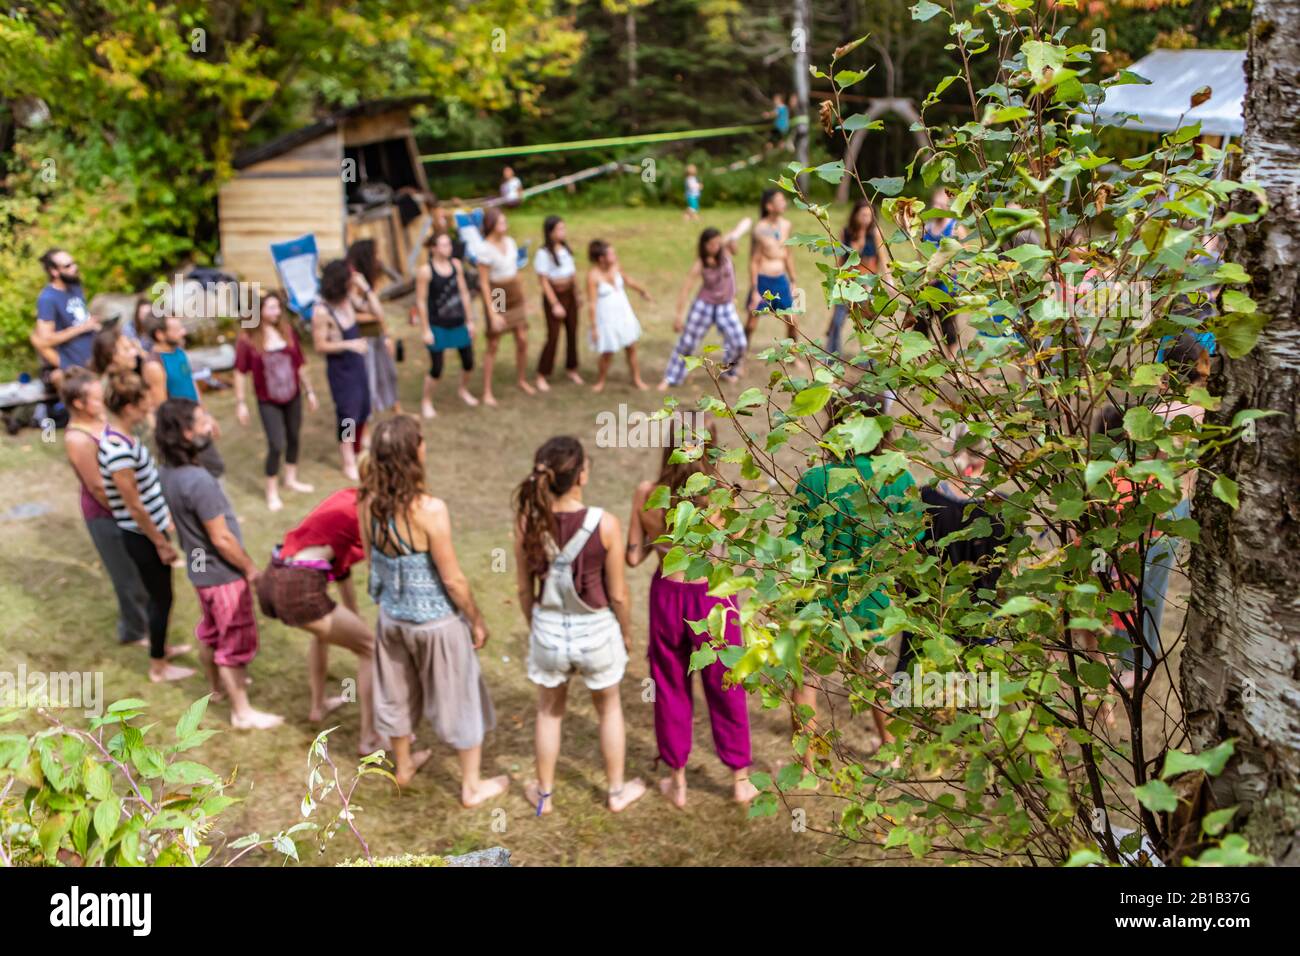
(297, 192)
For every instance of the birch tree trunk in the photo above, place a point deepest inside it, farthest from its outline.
(1241, 665)
(801, 41)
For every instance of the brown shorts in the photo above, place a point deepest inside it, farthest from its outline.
(513, 313)
(294, 596)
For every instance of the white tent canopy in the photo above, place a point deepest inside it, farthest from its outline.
(1175, 75)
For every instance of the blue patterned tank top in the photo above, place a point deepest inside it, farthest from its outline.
(407, 586)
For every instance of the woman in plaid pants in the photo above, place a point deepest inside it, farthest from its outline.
(714, 304)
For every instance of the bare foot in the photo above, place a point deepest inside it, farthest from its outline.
(744, 791)
(598, 387)
(332, 704)
(376, 744)
(138, 642)
(543, 385)
(255, 720)
(639, 385)
(526, 388)
(489, 400)
(427, 410)
(626, 795)
(176, 651)
(675, 792)
(418, 759)
(299, 486)
(351, 474)
(664, 386)
(486, 790)
(273, 503)
(467, 398)
(576, 379)
(533, 794)
(169, 672)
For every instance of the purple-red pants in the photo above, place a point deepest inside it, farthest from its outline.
(672, 605)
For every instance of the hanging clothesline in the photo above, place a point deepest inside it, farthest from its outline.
(604, 143)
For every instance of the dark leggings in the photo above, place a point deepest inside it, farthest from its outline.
(466, 360)
(157, 580)
(281, 424)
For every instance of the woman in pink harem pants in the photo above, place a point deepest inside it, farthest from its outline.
(674, 602)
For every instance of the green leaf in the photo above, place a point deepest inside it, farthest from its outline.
(1020, 604)
(1140, 424)
(1094, 674)
(810, 400)
(186, 772)
(107, 815)
(189, 721)
(1239, 336)
(887, 185)
(675, 560)
(1211, 761)
(1095, 471)
(1157, 796)
(831, 172)
(925, 10)
(661, 497)
(99, 782)
(1225, 489)
(1215, 822)
(1234, 301)
(862, 433)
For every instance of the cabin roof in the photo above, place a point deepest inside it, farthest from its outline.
(327, 124)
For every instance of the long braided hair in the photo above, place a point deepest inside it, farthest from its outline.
(556, 467)
(392, 478)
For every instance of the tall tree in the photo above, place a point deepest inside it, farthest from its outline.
(1243, 653)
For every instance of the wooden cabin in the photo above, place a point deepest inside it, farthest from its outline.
(352, 175)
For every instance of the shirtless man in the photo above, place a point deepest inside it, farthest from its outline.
(771, 265)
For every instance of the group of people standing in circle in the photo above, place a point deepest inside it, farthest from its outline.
(420, 659)
(349, 328)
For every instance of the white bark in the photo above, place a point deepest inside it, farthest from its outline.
(1241, 669)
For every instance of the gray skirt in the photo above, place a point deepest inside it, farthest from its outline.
(430, 670)
(381, 373)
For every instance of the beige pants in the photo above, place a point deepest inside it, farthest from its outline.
(431, 670)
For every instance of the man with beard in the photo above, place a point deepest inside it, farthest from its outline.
(64, 328)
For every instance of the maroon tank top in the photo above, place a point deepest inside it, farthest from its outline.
(589, 569)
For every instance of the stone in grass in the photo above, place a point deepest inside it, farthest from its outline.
(496, 856)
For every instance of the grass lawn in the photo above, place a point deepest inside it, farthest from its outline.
(59, 613)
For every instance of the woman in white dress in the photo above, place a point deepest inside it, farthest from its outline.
(614, 326)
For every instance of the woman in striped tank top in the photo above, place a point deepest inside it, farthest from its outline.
(135, 498)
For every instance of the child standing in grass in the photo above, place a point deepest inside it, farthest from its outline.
(218, 566)
(693, 190)
(614, 326)
(573, 594)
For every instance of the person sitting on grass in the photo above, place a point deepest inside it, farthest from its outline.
(573, 594)
(218, 566)
(430, 629)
